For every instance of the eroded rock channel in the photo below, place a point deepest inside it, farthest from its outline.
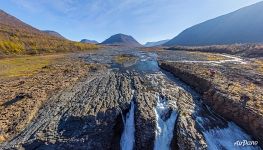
(131, 105)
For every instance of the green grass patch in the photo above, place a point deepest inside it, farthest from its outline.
(24, 66)
(121, 59)
(209, 56)
(259, 64)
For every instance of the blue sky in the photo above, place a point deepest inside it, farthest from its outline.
(145, 20)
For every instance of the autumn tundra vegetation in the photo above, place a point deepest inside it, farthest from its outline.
(60, 94)
(17, 37)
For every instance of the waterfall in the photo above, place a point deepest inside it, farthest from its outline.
(225, 138)
(165, 126)
(127, 137)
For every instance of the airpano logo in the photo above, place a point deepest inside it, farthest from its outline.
(245, 143)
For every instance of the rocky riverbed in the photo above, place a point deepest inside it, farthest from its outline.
(131, 103)
(231, 89)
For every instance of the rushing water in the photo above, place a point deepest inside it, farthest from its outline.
(127, 138)
(165, 124)
(218, 133)
(224, 137)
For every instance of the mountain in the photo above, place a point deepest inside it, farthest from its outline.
(89, 41)
(54, 33)
(122, 40)
(242, 26)
(17, 37)
(158, 43)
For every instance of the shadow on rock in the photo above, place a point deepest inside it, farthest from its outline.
(76, 126)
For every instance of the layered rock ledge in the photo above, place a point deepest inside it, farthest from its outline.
(89, 115)
(229, 89)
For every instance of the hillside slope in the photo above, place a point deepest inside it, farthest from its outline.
(158, 43)
(17, 37)
(241, 26)
(89, 41)
(54, 33)
(122, 40)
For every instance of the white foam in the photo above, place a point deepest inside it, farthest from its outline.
(232, 59)
(224, 138)
(127, 138)
(164, 133)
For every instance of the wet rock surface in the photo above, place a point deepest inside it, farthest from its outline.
(85, 115)
(227, 93)
(91, 113)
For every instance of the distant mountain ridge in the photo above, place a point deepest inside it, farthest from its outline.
(158, 43)
(89, 41)
(54, 33)
(17, 37)
(122, 40)
(242, 26)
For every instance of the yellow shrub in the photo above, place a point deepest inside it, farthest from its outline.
(11, 47)
(27, 41)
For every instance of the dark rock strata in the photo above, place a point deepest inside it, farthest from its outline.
(89, 114)
(220, 101)
(83, 117)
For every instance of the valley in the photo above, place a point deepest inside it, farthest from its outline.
(71, 82)
(135, 102)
